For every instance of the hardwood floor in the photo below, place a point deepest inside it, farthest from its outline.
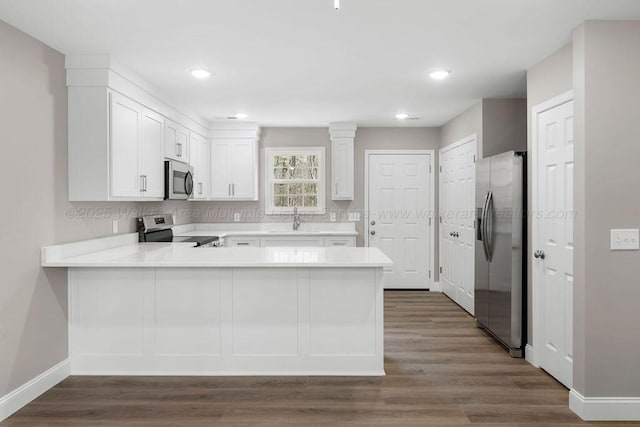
(441, 370)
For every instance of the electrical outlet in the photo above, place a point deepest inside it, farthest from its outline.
(354, 216)
(625, 240)
(333, 217)
(236, 217)
(114, 226)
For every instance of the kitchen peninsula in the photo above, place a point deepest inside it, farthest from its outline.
(174, 309)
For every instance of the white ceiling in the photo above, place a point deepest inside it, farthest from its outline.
(301, 63)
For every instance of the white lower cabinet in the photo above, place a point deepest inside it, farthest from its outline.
(289, 241)
(340, 241)
(286, 242)
(226, 321)
(242, 241)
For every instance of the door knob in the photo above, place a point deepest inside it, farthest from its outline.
(373, 232)
(539, 254)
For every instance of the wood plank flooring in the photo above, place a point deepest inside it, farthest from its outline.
(441, 370)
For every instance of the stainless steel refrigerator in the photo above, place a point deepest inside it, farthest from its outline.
(501, 248)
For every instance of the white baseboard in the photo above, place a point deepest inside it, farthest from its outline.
(26, 393)
(530, 356)
(436, 287)
(605, 408)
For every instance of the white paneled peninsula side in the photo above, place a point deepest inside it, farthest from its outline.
(173, 309)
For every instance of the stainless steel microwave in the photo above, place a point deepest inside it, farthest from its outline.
(178, 180)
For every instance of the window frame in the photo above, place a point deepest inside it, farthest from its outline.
(269, 154)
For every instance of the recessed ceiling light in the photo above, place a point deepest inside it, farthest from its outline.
(241, 116)
(200, 73)
(402, 116)
(440, 74)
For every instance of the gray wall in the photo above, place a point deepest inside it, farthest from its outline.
(607, 148)
(366, 139)
(504, 126)
(548, 79)
(33, 119)
(500, 125)
(465, 124)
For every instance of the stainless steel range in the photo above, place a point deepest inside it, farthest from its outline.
(159, 228)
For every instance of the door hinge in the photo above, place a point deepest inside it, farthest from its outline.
(429, 274)
(474, 158)
(429, 222)
(429, 168)
(440, 220)
(440, 270)
(440, 168)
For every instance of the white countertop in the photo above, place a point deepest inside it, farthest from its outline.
(185, 255)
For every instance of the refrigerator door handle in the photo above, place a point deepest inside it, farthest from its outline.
(483, 226)
(489, 226)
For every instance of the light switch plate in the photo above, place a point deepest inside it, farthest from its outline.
(236, 217)
(333, 217)
(354, 216)
(625, 240)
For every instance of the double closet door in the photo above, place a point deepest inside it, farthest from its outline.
(457, 231)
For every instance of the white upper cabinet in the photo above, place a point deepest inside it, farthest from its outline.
(152, 154)
(234, 169)
(200, 158)
(176, 142)
(136, 150)
(244, 170)
(120, 135)
(342, 169)
(126, 119)
(342, 160)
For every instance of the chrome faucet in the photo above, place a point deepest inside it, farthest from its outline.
(296, 219)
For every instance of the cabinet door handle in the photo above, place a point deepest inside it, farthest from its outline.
(233, 189)
(242, 244)
(201, 187)
(179, 149)
(229, 190)
(143, 183)
(336, 188)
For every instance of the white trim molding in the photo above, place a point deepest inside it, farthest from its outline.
(26, 393)
(530, 355)
(604, 408)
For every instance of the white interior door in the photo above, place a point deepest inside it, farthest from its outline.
(457, 238)
(553, 228)
(399, 194)
(447, 224)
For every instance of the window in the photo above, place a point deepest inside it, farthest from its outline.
(294, 179)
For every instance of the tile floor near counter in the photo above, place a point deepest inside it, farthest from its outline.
(440, 370)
